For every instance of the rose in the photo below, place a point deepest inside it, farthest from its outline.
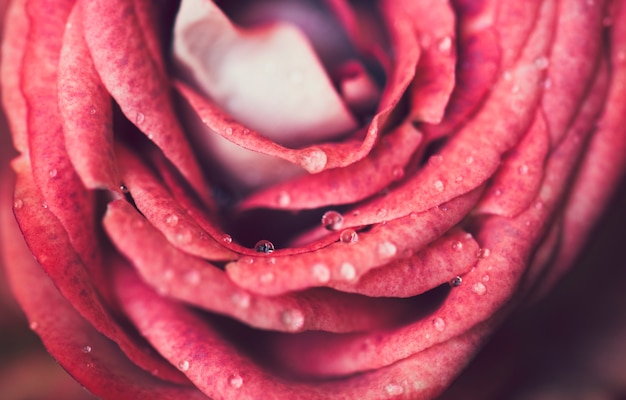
(522, 183)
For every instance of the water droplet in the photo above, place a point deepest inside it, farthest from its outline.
(458, 246)
(398, 173)
(497, 192)
(381, 213)
(246, 260)
(483, 253)
(264, 246)
(547, 83)
(332, 220)
(387, 249)
(168, 274)
(542, 62)
(34, 325)
(183, 365)
(18, 203)
(479, 288)
(314, 160)
(435, 159)
(139, 118)
(413, 215)
(393, 389)
(184, 237)
(92, 110)
(192, 277)
(486, 278)
(45, 205)
(86, 349)
(539, 205)
(235, 381)
(229, 131)
(445, 44)
(292, 319)
(226, 238)
(283, 199)
(124, 188)
(89, 365)
(458, 179)
(241, 300)
(523, 169)
(439, 324)
(53, 173)
(347, 271)
(469, 160)
(321, 273)
(439, 186)
(271, 260)
(349, 236)
(267, 277)
(456, 281)
(171, 220)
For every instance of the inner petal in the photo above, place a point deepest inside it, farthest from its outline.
(268, 78)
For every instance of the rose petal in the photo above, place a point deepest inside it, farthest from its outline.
(345, 185)
(85, 108)
(133, 77)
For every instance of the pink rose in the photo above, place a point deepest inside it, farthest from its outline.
(320, 200)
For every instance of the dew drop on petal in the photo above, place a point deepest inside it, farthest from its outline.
(458, 179)
(86, 349)
(398, 173)
(192, 277)
(235, 381)
(393, 389)
(381, 213)
(435, 159)
(523, 169)
(469, 160)
(484, 253)
(456, 281)
(497, 192)
(53, 173)
(439, 185)
(457, 245)
(486, 278)
(283, 199)
(264, 246)
(542, 62)
(124, 188)
(184, 237)
(247, 260)
(292, 319)
(321, 273)
(139, 118)
(332, 220)
(347, 271)
(18, 203)
(34, 325)
(349, 236)
(183, 365)
(439, 324)
(314, 160)
(387, 249)
(267, 277)
(45, 205)
(92, 110)
(241, 300)
(226, 238)
(229, 131)
(539, 205)
(479, 288)
(445, 44)
(171, 220)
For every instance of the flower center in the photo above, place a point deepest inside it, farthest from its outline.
(286, 70)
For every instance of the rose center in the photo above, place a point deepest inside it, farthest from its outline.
(286, 69)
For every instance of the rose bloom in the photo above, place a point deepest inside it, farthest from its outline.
(315, 199)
